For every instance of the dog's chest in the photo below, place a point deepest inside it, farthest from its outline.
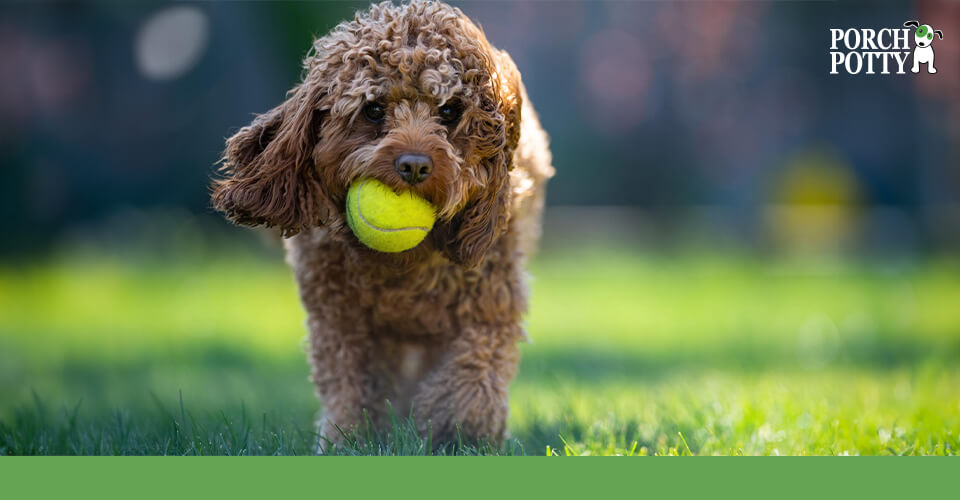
(415, 304)
(923, 54)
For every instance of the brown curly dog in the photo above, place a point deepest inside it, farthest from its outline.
(415, 96)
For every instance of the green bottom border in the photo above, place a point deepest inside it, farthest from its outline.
(479, 477)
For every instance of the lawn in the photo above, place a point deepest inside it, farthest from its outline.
(632, 353)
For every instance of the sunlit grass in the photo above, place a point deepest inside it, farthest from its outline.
(631, 354)
(122, 306)
(837, 411)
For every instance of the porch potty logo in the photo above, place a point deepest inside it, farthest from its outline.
(882, 51)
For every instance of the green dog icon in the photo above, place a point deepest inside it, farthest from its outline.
(923, 37)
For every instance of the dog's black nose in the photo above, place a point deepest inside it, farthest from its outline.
(414, 168)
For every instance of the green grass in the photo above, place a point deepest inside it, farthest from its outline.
(632, 354)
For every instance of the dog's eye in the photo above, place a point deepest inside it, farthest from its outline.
(374, 112)
(450, 113)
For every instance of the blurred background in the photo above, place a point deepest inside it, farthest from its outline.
(721, 203)
(709, 121)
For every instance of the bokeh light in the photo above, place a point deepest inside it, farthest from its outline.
(170, 42)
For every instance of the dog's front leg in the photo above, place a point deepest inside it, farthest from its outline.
(468, 389)
(341, 368)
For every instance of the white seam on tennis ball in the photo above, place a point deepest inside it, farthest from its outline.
(378, 228)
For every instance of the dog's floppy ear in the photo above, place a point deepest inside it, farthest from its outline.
(939, 33)
(268, 173)
(911, 24)
(486, 218)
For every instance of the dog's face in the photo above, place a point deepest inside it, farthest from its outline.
(923, 36)
(411, 95)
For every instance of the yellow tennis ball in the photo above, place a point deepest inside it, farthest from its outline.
(385, 220)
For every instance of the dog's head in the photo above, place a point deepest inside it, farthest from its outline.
(923, 35)
(412, 95)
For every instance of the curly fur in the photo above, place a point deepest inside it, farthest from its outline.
(432, 330)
